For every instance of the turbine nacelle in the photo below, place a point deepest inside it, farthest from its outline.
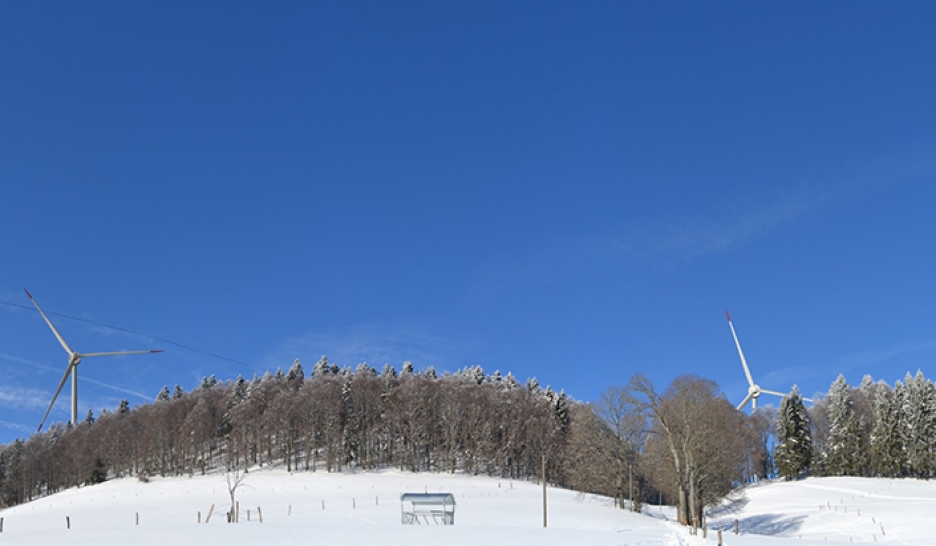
(754, 390)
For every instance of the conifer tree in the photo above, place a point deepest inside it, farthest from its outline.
(885, 443)
(793, 453)
(296, 376)
(163, 394)
(919, 407)
(843, 455)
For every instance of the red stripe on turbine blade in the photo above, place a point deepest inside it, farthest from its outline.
(157, 351)
(727, 315)
(27, 293)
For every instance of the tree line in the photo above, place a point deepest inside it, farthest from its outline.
(873, 430)
(331, 420)
(634, 445)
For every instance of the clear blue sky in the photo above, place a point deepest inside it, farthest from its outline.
(573, 191)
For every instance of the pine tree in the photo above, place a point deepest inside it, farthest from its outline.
(322, 367)
(793, 453)
(885, 443)
(919, 407)
(296, 376)
(89, 418)
(178, 392)
(124, 407)
(842, 451)
(163, 395)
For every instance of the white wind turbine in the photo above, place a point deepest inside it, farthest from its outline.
(754, 390)
(74, 359)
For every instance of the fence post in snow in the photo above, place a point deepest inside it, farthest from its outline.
(259, 515)
(67, 522)
(137, 518)
(736, 527)
(719, 538)
(210, 510)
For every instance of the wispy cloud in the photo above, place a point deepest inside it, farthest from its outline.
(16, 426)
(676, 241)
(23, 399)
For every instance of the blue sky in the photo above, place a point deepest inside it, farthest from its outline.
(571, 191)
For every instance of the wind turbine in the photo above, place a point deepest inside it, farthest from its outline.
(754, 390)
(74, 359)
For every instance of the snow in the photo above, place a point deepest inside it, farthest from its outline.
(364, 508)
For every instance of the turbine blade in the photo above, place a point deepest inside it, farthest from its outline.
(807, 400)
(746, 400)
(121, 353)
(775, 393)
(747, 372)
(57, 391)
(49, 322)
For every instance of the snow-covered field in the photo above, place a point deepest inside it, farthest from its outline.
(364, 508)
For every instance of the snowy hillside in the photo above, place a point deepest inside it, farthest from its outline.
(363, 508)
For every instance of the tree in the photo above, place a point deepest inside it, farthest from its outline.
(700, 441)
(842, 451)
(917, 424)
(885, 442)
(295, 376)
(163, 395)
(793, 453)
(234, 478)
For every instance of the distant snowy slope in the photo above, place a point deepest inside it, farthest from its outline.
(839, 509)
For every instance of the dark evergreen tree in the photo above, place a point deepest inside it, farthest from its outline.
(163, 395)
(98, 472)
(296, 376)
(886, 445)
(178, 392)
(842, 450)
(793, 453)
(123, 407)
(919, 409)
(89, 418)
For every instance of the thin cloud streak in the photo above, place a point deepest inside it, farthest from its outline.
(677, 242)
(23, 398)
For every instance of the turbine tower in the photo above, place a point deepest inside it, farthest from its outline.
(74, 358)
(754, 390)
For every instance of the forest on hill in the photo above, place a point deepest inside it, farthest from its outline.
(685, 445)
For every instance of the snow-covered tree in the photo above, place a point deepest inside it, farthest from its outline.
(296, 376)
(842, 450)
(917, 424)
(793, 453)
(886, 447)
(163, 395)
(322, 367)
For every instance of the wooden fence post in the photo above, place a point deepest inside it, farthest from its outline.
(719, 538)
(736, 527)
(210, 511)
(354, 503)
(199, 516)
(1, 525)
(137, 518)
(259, 515)
(237, 512)
(68, 522)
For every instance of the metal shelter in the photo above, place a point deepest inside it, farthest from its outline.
(427, 508)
